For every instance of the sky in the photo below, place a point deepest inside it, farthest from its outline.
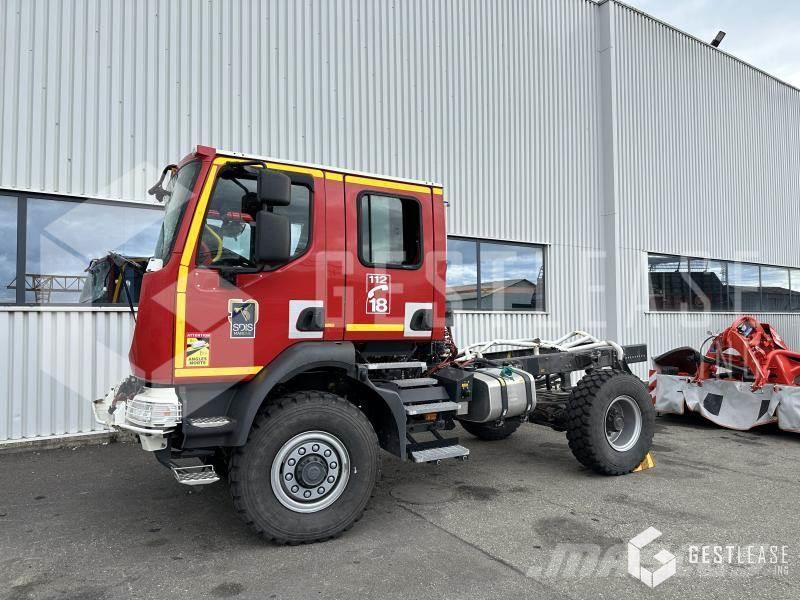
(763, 33)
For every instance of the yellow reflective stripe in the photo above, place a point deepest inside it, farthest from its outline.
(295, 169)
(375, 327)
(272, 165)
(199, 216)
(392, 185)
(438, 191)
(334, 176)
(186, 257)
(216, 372)
(180, 329)
(183, 274)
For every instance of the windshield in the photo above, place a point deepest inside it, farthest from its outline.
(180, 188)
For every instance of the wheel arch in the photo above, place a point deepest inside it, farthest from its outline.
(333, 362)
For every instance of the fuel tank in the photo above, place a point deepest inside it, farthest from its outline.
(497, 389)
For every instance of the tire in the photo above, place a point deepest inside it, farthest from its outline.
(492, 432)
(220, 460)
(302, 426)
(592, 428)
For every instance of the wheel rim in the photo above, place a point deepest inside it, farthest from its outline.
(310, 471)
(623, 423)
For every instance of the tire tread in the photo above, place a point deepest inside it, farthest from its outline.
(270, 411)
(579, 422)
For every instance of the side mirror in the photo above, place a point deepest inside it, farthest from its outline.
(273, 238)
(274, 188)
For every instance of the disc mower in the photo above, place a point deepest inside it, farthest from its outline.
(746, 377)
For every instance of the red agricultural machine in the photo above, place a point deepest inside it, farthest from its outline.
(747, 377)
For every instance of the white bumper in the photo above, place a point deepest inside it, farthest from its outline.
(153, 413)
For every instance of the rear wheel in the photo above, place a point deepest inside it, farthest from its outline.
(610, 422)
(308, 469)
(492, 431)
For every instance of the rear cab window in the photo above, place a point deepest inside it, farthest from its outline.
(389, 231)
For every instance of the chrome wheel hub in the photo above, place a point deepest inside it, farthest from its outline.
(623, 423)
(310, 471)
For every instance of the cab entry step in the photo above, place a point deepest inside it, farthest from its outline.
(415, 382)
(433, 407)
(439, 454)
(195, 475)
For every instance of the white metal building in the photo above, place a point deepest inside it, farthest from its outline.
(643, 173)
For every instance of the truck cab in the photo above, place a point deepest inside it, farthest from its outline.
(292, 324)
(362, 263)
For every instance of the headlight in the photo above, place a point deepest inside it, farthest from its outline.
(154, 407)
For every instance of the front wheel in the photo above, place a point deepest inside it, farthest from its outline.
(308, 469)
(610, 422)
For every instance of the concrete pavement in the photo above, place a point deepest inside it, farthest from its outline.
(521, 519)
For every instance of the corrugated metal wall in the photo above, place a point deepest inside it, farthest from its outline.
(54, 362)
(601, 135)
(707, 157)
(495, 100)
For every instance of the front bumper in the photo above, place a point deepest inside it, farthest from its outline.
(153, 413)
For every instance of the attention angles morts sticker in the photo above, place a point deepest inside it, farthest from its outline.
(198, 350)
(243, 316)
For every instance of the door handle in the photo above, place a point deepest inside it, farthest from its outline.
(311, 319)
(422, 320)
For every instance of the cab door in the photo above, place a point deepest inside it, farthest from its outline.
(233, 315)
(389, 245)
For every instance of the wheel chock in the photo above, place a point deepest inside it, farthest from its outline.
(647, 463)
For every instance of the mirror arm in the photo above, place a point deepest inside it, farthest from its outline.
(158, 189)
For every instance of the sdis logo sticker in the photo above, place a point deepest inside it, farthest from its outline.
(243, 316)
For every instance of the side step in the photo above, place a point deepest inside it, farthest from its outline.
(383, 366)
(415, 383)
(195, 475)
(433, 407)
(436, 455)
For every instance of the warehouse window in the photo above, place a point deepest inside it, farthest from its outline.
(8, 248)
(669, 283)
(389, 231)
(707, 291)
(775, 289)
(794, 286)
(68, 246)
(499, 276)
(679, 283)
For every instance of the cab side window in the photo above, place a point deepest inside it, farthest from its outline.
(228, 233)
(389, 231)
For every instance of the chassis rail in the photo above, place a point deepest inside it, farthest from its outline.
(553, 362)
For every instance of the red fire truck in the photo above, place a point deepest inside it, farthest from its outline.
(292, 323)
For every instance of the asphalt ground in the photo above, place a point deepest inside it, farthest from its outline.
(520, 519)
